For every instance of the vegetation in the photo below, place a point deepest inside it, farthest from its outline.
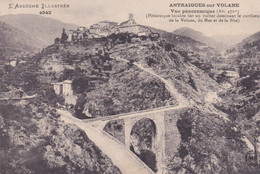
(116, 129)
(202, 149)
(222, 78)
(107, 81)
(64, 36)
(144, 132)
(32, 141)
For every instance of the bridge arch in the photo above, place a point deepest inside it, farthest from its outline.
(116, 129)
(162, 117)
(142, 141)
(147, 129)
(158, 143)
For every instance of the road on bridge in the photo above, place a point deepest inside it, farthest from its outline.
(121, 157)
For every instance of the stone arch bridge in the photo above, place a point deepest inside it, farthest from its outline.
(167, 137)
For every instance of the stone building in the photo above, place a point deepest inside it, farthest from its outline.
(67, 88)
(82, 29)
(105, 28)
(70, 35)
(101, 29)
(77, 35)
(107, 24)
(57, 88)
(64, 88)
(94, 29)
(130, 26)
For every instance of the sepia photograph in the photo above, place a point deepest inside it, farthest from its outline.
(129, 87)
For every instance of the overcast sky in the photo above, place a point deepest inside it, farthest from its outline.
(87, 12)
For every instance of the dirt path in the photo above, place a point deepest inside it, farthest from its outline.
(23, 98)
(170, 87)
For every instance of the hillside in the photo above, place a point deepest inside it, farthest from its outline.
(245, 55)
(131, 76)
(229, 40)
(196, 52)
(123, 73)
(252, 38)
(241, 102)
(41, 28)
(35, 140)
(15, 41)
(198, 36)
(127, 87)
(183, 42)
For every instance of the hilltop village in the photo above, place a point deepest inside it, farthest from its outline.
(96, 31)
(105, 28)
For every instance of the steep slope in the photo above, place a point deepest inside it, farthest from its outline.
(35, 140)
(244, 96)
(120, 155)
(179, 40)
(135, 75)
(153, 58)
(170, 87)
(14, 41)
(122, 73)
(252, 38)
(198, 36)
(245, 55)
(241, 102)
(196, 52)
(229, 40)
(42, 28)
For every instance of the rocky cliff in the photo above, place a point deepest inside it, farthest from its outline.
(35, 140)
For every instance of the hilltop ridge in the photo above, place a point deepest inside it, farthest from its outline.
(198, 36)
(36, 26)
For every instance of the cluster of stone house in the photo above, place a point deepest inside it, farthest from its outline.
(63, 88)
(77, 35)
(105, 28)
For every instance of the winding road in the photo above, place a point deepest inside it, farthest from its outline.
(170, 87)
(121, 157)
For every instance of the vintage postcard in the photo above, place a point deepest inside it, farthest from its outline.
(129, 87)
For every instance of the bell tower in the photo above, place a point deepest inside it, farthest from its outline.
(131, 16)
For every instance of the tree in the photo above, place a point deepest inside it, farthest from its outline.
(79, 107)
(222, 77)
(57, 40)
(154, 36)
(80, 85)
(67, 74)
(48, 94)
(248, 83)
(168, 47)
(192, 83)
(64, 36)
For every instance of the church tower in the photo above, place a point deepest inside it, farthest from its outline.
(131, 16)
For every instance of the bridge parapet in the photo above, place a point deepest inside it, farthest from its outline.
(133, 114)
(167, 139)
